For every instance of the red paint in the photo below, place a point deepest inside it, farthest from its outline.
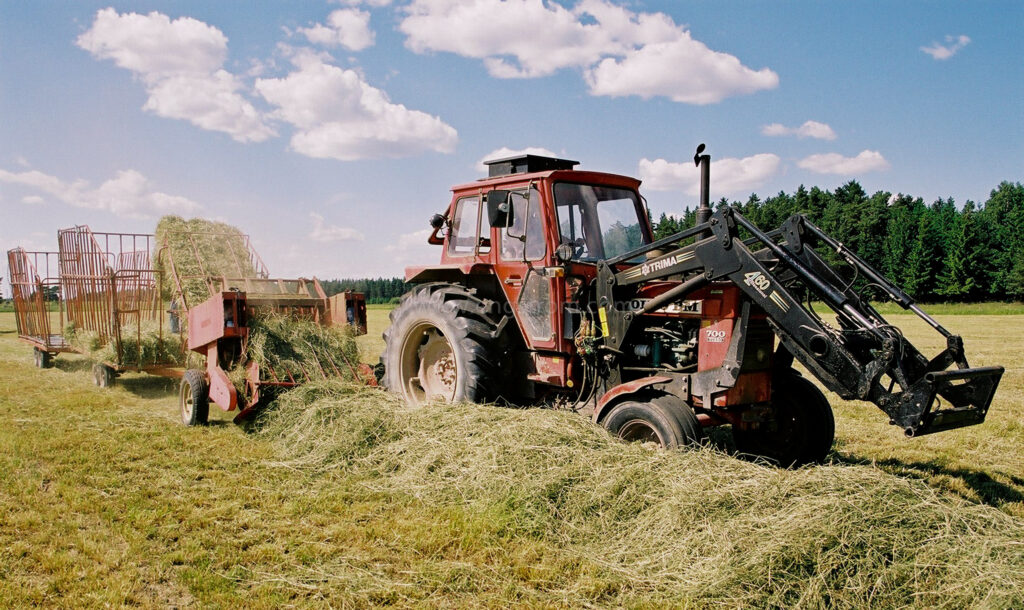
(613, 395)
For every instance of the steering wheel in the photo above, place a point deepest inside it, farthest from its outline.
(579, 246)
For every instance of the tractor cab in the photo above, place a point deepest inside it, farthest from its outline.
(534, 231)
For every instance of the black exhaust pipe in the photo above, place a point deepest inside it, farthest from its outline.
(704, 163)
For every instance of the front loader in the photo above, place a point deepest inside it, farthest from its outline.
(551, 287)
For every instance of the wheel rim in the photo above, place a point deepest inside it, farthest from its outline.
(428, 366)
(187, 402)
(640, 431)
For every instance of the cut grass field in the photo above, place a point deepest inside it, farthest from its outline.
(346, 498)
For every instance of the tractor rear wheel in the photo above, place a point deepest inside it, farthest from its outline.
(802, 430)
(194, 398)
(443, 344)
(664, 420)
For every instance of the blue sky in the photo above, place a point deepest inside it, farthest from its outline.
(332, 131)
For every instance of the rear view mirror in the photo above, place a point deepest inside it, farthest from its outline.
(499, 210)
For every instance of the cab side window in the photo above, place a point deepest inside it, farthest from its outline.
(527, 230)
(465, 221)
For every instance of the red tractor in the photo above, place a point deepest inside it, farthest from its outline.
(552, 288)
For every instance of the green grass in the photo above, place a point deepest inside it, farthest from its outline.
(995, 308)
(349, 499)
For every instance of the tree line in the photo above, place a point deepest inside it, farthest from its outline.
(935, 252)
(376, 290)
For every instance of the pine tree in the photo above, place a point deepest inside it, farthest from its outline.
(958, 277)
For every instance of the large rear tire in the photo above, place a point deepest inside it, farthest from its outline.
(664, 420)
(801, 431)
(443, 344)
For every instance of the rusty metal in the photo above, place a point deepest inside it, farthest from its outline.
(110, 287)
(33, 277)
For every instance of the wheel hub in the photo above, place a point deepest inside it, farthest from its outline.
(437, 371)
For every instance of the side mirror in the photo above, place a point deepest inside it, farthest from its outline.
(564, 252)
(499, 210)
(436, 221)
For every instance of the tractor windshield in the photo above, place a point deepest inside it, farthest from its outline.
(599, 222)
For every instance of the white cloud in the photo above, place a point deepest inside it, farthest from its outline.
(834, 163)
(619, 52)
(945, 51)
(729, 176)
(180, 62)
(504, 152)
(412, 249)
(325, 234)
(349, 28)
(129, 193)
(810, 129)
(683, 70)
(340, 116)
(33, 200)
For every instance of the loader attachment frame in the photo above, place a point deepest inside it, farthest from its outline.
(864, 357)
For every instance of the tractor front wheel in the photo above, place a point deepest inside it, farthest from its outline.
(801, 430)
(442, 344)
(663, 420)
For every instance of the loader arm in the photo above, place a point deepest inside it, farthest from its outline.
(864, 358)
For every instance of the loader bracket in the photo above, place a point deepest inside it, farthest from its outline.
(968, 393)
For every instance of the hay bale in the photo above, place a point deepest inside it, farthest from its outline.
(657, 527)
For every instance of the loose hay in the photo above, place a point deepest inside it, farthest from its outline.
(284, 347)
(147, 346)
(200, 249)
(651, 526)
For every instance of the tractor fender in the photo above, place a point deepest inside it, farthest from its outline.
(623, 391)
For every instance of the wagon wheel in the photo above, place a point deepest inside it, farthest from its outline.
(102, 375)
(194, 398)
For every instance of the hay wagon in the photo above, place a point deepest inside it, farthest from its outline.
(137, 302)
(35, 291)
(112, 298)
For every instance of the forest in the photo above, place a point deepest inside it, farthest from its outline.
(936, 252)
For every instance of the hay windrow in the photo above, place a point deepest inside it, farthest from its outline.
(659, 525)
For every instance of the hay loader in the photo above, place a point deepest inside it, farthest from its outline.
(551, 287)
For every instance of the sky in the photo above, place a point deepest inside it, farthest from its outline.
(331, 131)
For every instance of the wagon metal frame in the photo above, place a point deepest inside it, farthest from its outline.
(33, 277)
(111, 288)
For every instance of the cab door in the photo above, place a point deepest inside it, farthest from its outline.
(522, 255)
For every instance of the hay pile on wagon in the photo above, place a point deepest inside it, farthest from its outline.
(192, 252)
(141, 345)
